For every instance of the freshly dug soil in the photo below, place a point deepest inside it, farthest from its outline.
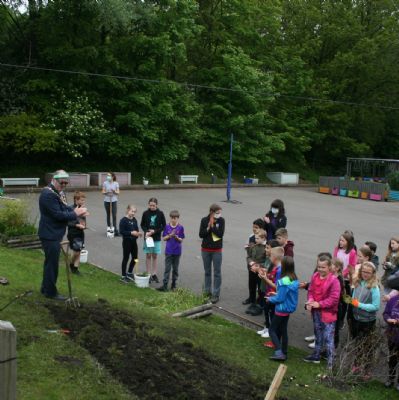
(150, 366)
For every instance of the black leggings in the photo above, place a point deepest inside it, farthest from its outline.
(393, 361)
(362, 332)
(108, 211)
(129, 249)
(253, 284)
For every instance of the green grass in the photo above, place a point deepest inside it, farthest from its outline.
(41, 376)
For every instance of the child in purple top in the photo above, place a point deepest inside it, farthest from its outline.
(173, 235)
(391, 317)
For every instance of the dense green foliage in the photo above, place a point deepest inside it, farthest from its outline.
(265, 71)
(15, 219)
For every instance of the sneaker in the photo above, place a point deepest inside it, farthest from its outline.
(269, 344)
(162, 288)
(355, 369)
(312, 345)
(388, 384)
(262, 331)
(108, 229)
(324, 355)
(58, 297)
(155, 279)
(257, 310)
(310, 338)
(278, 356)
(124, 279)
(130, 276)
(265, 334)
(246, 301)
(214, 299)
(312, 359)
(250, 308)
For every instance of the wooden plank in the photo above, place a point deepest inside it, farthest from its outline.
(200, 314)
(278, 378)
(8, 361)
(193, 310)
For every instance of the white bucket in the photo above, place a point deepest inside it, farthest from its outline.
(142, 281)
(83, 256)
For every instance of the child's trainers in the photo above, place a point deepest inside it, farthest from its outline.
(269, 344)
(124, 279)
(265, 334)
(312, 359)
(262, 331)
(130, 276)
(278, 356)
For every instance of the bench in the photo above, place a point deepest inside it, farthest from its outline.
(188, 178)
(20, 181)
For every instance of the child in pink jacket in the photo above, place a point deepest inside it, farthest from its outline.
(323, 299)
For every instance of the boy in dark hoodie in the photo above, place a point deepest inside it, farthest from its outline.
(282, 238)
(256, 255)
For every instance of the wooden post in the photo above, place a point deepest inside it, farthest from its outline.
(271, 393)
(200, 314)
(8, 361)
(193, 310)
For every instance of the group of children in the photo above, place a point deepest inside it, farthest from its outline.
(343, 287)
(155, 229)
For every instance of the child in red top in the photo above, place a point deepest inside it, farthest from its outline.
(269, 277)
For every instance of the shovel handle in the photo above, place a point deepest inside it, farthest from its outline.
(65, 252)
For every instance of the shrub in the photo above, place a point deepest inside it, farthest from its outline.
(393, 180)
(14, 218)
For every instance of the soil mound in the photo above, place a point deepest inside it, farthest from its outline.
(150, 366)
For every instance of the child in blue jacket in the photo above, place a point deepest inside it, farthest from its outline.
(286, 301)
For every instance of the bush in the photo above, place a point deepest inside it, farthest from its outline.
(14, 218)
(393, 180)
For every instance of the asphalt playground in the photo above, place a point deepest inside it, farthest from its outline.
(315, 222)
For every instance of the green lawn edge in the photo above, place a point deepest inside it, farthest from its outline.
(40, 376)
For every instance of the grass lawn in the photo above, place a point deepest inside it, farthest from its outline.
(52, 366)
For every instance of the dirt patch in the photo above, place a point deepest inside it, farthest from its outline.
(151, 366)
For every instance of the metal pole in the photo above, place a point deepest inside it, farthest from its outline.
(230, 168)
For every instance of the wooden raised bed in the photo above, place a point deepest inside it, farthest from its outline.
(23, 242)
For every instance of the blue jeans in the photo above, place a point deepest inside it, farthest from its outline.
(171, 263)
(208, 259)
(52, 249)
(324, 333)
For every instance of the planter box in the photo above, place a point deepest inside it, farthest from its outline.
(353, 193)
(335, 191)
(375, 197)
(393, 195)
(76, 179)
(24, 242)
(98, 178)
(343, 192)
(364, 195)
(283, 178)
(324, 189)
